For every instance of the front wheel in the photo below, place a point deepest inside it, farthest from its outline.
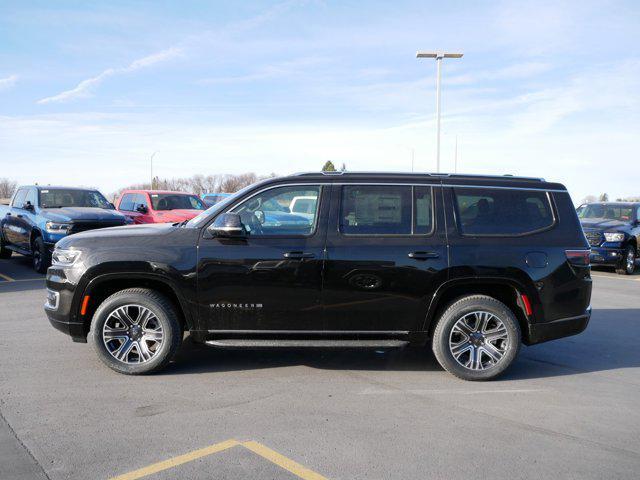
(41, 257)
(476, 338)
(136, 331)
(4, 251)
(628, 265)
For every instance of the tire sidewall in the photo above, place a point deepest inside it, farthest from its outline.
(633, 267)
(457, 311)
(41, 249)
(166, 318)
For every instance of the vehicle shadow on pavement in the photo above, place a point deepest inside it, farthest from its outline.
(607, 344)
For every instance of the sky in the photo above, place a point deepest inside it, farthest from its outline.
(90, 90)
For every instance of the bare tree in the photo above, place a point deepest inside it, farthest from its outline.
(7, 187)
(589, 199)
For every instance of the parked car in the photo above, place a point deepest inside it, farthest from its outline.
(154, 206)
(210, 199)
(613, 232)
(37, 217)
(473, 266)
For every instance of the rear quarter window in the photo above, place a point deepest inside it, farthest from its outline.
(508, 212)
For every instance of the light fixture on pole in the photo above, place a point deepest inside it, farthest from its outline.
(438, 56)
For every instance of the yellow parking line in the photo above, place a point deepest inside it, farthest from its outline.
(620, 277)
(25, 280)
(175, 461)
(283, 462)
(6, 277)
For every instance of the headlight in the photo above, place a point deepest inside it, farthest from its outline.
(64, 258)
(614, 237)
(53, 227)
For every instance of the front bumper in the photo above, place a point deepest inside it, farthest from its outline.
(607, 256)
(563, 327)
(60, 307)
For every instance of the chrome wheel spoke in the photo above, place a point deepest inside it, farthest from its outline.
(478, 340)
(132, 334)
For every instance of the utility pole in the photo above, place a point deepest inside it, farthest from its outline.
(455, 158)
(438, 56)
(152, 155)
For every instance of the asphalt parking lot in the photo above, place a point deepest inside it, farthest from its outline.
(566, 409)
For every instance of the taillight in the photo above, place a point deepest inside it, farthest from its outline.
(578, 257)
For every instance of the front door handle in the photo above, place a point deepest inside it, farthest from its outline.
(298, 255)
(423, 255)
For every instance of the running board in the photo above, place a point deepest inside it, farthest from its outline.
(293, 343)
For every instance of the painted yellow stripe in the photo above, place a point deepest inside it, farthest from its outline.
(175, 461)
(6, 277)
(283, 462)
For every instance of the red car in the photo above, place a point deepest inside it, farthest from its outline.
(156, 206)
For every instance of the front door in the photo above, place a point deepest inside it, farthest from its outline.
(270, 280)
(386, 255)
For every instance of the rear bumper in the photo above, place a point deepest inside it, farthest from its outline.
(563, 327)
(606, 256)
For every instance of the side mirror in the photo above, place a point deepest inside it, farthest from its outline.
(228, 225)
(28, 206)
(141, 209)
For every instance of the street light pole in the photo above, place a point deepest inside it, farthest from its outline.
(438, 56)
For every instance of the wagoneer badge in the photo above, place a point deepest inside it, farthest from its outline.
(244, 306)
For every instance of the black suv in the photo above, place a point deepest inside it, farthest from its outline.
(613, 231)
(472, 265)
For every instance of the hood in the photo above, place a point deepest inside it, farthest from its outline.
(176, 215)
(121, 234)
(603, 224)
(71, 214)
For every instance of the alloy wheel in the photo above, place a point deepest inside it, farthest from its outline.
(631, 260)
(132, 334)
(478, 340)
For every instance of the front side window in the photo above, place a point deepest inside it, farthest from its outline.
(31, 197)
(176, 201)
(18, 200)
(140, 201)
(60, 198)
(269, 213)
(486, 211)
(127, 202)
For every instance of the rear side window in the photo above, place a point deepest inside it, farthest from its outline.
(486, 211)
(127, 202)
(386, 210)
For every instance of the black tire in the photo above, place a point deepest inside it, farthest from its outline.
(465, 308)
(4, 252)
(41, 256)
(166, 315)
(628, 264)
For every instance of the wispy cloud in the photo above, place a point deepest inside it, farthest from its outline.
(8, 82)
(83, 89)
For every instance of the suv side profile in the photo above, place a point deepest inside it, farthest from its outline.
(473, 266)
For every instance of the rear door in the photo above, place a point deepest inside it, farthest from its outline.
(386, 254)
(270, 280)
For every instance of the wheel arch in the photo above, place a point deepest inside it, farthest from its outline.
(101, 287)
(508, 291)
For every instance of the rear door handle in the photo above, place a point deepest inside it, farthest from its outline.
(423, 255)
(298, 255)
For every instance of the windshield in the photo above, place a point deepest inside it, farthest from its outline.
(59, 198)
(609, 212)
(176, 201)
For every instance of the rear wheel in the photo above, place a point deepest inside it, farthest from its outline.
(136, 331)
(476, 338)
(628, 264)
(4, 251)
(41, 257)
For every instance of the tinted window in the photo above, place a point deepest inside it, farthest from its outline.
(176, 201)
(18, 200)
(376, 210)
(502, 212)
(127, 202)
(268, 212)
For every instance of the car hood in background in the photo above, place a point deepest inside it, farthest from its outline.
(84, 214)
(171, 216)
